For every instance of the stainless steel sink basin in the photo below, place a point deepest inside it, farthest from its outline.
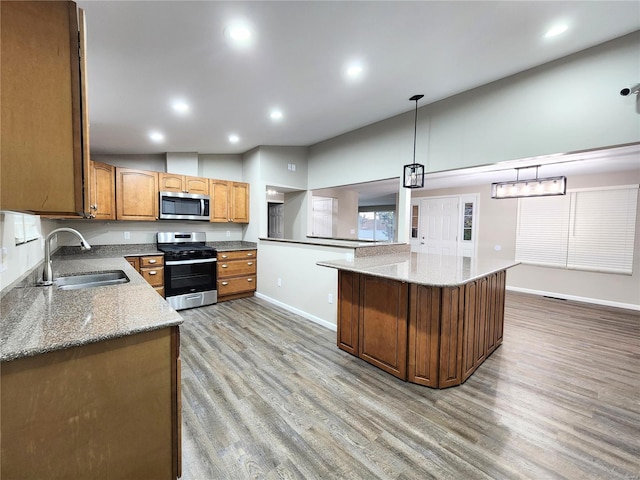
(88, 280)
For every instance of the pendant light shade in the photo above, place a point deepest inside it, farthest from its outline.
(414, 172)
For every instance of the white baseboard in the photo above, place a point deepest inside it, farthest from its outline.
(596, 301)
(308, 316)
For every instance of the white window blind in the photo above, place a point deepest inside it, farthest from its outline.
(602, 230)
(587, 230)
(543, 229)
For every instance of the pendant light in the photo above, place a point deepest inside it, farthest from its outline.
(414, 172)
(538, 187)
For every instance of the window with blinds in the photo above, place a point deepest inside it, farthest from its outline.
(585, 230)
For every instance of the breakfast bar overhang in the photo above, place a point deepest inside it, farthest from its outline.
(425, 318)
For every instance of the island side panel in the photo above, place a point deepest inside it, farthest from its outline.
(83, 411)
(424, 330)
(348, 311)
(383, 324)
(495, 324)
(451, 336)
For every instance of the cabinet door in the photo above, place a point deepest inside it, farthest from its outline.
(219, 193)
(136, 194)
(424, 333)
(103, 191)
(169, 182)
(197, 185)
(41, 119)
(348, 311)
(383, 324)
(239, 202)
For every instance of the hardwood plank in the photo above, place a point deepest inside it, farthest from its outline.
(267, 394)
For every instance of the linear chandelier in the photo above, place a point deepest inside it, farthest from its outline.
(538, 187)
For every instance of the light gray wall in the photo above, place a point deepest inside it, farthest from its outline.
(497, 226)
(295, 215)
(347, 218)
(151, 162)
(223, 167)
(568, 105)
(274, 162)
(257, 227)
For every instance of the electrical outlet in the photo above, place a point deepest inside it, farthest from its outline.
(228, 233)
(127, 235)
(330, 298)
(279, 282)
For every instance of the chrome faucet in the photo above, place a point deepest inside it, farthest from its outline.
(47, 273)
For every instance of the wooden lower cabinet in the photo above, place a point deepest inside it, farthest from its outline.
(432, 336)
(236, 274)
(151, 267)
(103, 410)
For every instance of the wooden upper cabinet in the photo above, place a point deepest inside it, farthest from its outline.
(136, 194)
(229, 201)
(41, 153)
(103, 191)
(170, 182)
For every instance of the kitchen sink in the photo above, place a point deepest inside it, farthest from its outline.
(88, 280)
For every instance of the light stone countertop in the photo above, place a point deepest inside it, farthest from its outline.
(37, 320)
(422, 268)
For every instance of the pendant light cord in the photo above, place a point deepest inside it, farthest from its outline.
(415, 131)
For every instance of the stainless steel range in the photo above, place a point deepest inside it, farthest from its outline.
(189, 269)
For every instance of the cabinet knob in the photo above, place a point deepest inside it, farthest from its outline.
(94, 206)
(152, 261)
(249, 279)
(224, 284)
(224, 265)
(152, 272)
(249, 254)
(224, 256)
(249, 263)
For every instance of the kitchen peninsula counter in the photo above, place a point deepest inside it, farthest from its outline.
(427, 319)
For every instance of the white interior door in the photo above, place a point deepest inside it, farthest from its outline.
(322, 216)
(439, 225)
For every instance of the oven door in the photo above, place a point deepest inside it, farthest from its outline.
(189, 276)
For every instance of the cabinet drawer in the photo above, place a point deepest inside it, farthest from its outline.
(151, 261)
(134, 262)
(153, 276)
(237, 255)
(236, 285)
(236, 267)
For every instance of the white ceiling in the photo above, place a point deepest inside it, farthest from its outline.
(144, 54)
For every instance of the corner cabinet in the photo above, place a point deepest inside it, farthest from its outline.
(136, 194)
(230, 201)
(102, 189)
(44, 127)
(237, 274)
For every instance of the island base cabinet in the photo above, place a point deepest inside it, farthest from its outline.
(104, 410)
(432, 336)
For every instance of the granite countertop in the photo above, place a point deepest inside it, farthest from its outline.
(423, 268)
(329, 242)
(234, 245)
(37, 320)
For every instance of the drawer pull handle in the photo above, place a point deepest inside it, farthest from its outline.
(224, 256)
(152, 272)
(249, 263)
(249, 254)
(249, 279)
(224, 265)
(224, 284)
(152, 261)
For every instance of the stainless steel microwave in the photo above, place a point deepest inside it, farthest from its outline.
(184, 206)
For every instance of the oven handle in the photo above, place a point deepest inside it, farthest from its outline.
(191, 262)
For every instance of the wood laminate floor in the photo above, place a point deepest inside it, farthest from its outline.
(267, 394)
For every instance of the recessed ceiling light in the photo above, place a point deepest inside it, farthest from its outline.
(156, 136)
(354, 70)
(276, 115)
(239, 33)
(180, 106)
(556, 30)
(234, 138)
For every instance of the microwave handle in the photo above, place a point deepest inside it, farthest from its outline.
(202, 205)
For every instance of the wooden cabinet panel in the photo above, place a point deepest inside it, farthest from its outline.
(103, 191)
(424, 330)
(171, 182)
(233, 286)
(134, 262)
(236, 271)
(451, 336)
(115, 397)
(229, 201)
(383, 324)
(41, 153)
(153, 276)
(348, 311)
(495, 321)
(136, 194)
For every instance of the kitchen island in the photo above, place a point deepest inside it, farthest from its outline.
(427, 319)
(90, 378)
